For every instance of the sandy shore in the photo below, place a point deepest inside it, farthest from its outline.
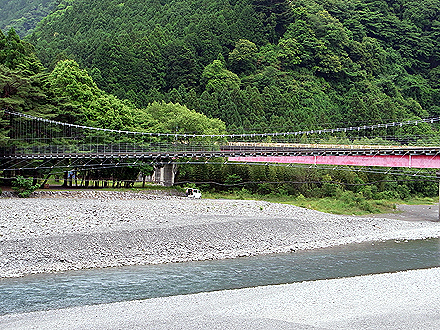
(65, 231)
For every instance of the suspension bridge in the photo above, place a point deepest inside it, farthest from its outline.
(42, 145)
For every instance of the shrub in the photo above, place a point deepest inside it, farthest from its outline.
(369, 191)
(388, 195)
(24, 186)
(347, 197)
(329, 188)
(300, 198)
(265, 189)
(244, 193)
(403, 191)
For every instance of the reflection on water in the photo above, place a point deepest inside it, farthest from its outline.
(74, 288)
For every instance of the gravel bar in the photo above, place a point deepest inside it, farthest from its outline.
(58, 231)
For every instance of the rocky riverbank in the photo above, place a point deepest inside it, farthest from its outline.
(57, 231)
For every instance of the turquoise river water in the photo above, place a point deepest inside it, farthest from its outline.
(96, 286)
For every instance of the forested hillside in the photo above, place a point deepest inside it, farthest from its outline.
(23, 15)
(257, 64)
(67, 93)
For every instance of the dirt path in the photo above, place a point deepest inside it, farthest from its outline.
(412, 213)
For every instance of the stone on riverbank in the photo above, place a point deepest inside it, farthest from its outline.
(106, 229)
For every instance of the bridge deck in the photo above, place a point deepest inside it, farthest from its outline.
(417, 157)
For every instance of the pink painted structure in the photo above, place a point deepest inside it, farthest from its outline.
(410, 161)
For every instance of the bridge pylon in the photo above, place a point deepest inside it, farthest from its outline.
(165, 174)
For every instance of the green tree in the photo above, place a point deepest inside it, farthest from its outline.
(16, 54)
(244, 57)
(83, 102)
(276, 14)
(176, 118)
(217, 77)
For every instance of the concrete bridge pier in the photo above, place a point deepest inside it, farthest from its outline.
(165, 174)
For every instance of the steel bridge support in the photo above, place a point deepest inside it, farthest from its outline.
(438, 177)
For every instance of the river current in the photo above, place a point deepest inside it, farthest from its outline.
(97, 286)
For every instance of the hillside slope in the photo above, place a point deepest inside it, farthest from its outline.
(257, 64)
(23, 15)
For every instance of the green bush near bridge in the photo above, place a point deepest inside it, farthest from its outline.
(24, 187)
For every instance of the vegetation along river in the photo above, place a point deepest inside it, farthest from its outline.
(96, 286)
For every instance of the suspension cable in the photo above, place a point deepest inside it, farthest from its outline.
(188, 135)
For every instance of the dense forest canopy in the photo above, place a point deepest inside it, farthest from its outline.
(23, 15)
(67, 93)
(257, 64)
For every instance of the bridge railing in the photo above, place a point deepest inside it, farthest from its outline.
(231, 148)
(114, 149)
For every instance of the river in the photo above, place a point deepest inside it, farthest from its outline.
(96, 286)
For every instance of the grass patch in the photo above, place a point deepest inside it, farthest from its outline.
(349, 204)
(337, 206)
(420, 201)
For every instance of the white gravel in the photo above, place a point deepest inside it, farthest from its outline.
(406, 300)
(88, 229)
(104, 229)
